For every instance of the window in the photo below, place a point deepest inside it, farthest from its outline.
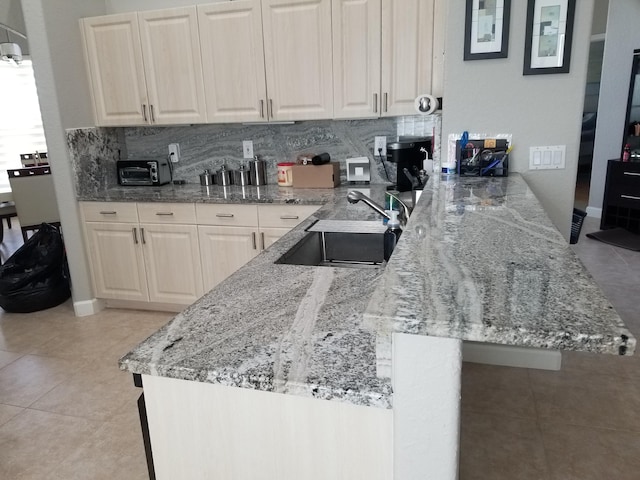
(20, 120)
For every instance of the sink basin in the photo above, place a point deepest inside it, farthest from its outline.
(339, 243)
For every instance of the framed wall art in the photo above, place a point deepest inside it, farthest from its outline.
(547, 47)
(486, 33)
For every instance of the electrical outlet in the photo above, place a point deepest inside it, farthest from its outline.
(174, 152)
(380, 146)
(247, 148)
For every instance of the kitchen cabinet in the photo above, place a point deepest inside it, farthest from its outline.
(231, 235)
(145, 67)
(144, 252)
(383, 56)
(621, 205)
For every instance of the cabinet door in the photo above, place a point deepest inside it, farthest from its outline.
(356, 58)
(173, 67)
(115, 68)
(407, 53)
(233, 61)
(298, 58)
(172, 260)
(224, 250)
(268, 236)
(116, 261)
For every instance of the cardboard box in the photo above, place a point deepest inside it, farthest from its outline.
(316, 176)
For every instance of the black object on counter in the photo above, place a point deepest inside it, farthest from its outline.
(36, 276)
(321, 159)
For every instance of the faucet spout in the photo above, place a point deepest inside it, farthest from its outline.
(354, 197)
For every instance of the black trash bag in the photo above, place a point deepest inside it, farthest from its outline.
(36, 276)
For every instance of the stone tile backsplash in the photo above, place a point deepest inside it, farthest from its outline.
(95, 150)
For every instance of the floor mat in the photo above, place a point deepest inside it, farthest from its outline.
(618, 237)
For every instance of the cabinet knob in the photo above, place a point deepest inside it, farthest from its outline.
(375, 103)
(110, 212)
(153, 118)
(135, 235)
(224, 215)
(164, 214)
(289, 217)
(144, 112)
(253, 238)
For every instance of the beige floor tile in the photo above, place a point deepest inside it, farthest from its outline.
(98, 391)
(7, 412)
(34, 443)
(30, 377)
(580, 453)
(23, 334)
(615, 365)
(498, 390)
(583, 398)
(496, 447)
(7, 357)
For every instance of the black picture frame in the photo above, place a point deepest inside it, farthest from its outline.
(500, 49)
(535, 64)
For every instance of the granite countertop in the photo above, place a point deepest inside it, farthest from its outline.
(479, 260)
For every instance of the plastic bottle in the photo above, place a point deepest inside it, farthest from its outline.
(392, 235)
(626, 153)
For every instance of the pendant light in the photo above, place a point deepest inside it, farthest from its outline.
(9, 51)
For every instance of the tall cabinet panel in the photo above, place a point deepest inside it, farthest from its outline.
(356, 58)
(114, 57)
(171, 52)
(298, 58)
(407, 53)
(233, 61)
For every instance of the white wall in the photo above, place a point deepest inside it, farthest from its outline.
(65, 102)
(623, 36)
(493, 96)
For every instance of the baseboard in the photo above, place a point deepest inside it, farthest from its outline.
(136, 305)
(88, 307)
(594, 212)
(509, 356)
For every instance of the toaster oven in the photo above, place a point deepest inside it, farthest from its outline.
(144, 172)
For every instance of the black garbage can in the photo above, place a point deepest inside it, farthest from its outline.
(36, 276)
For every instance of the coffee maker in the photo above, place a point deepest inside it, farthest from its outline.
(406, 154)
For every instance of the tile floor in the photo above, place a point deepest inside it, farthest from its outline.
(67, 412)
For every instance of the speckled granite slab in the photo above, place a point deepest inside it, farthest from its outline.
(479, 260)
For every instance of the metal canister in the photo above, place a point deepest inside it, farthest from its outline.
(258, 170)
(242, 176)
(223, 177)
(206, 178)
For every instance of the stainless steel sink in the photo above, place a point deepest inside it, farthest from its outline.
(339, 243)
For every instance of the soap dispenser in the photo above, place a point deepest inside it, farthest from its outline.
(392, 235)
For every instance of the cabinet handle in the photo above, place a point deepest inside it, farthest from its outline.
(262, 240)
(165, 214)
(135, 236)
(375, 103)
(144, 112)
(142, 236)
(386, 95)
(261, 108)
(630, 197)
(111, 212)
(289, 217)
(270, 108)
(153, 117)
(253, 238)
(224, 215)
(633, 174)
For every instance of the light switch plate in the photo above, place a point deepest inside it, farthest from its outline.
(550, 157)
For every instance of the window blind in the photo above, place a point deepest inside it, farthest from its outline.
(20, 119)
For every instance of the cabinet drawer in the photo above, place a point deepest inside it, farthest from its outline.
(167, 213)
(284, 216)
(227, 214)
(109, 212)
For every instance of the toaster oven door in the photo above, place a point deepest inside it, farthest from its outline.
(135, 176)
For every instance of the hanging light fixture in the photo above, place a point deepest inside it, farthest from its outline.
(10, 51)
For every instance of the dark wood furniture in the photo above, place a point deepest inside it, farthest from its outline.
(7, 211)
(621, 205)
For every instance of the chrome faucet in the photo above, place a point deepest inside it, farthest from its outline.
(355, 196)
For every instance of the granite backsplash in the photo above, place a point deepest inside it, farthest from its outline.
(94, 151)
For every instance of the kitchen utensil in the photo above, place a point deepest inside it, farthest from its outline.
(206, 178)
(242, 176)
(258, 171)
(223, 177)
(412, 179)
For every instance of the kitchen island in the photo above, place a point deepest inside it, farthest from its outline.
(479, 260)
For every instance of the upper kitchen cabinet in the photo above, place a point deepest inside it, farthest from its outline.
(233, 61)
(383, 56)
(298, 59)
(145, 67)
(407, 54)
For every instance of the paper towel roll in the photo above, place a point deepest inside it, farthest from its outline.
(425, 104)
